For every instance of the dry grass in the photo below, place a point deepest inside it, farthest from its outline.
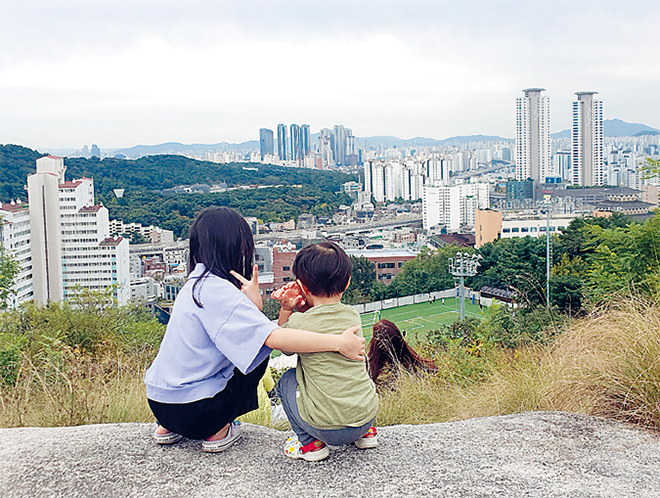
(72, 389)
(68, 388)
(609, 365)
(606, 365)
(514, 385)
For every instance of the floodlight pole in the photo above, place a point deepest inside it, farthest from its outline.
(462, 291)
(463, 265)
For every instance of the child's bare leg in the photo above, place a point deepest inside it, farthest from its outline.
(221, 434)
(161, 430)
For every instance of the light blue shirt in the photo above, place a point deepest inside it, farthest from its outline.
(202, 346)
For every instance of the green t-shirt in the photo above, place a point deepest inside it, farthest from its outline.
(335, 392)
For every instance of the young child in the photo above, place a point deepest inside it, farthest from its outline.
(328, 399)
(217, 342)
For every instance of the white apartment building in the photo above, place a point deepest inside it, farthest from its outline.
(533, 226)
(587, 141)
(533, 136)
(15, 238)
(388, 180)
(154, 234)
(453, 206)
(71, 243)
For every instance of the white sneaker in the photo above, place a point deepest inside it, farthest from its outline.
(369, 440)
(312, 452)
(219, 445)
(168, 437)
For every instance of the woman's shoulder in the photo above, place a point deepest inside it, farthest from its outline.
(213, 292)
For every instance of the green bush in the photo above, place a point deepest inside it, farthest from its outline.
(77, 362)
(10, 362)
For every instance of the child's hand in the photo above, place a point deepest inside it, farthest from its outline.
(290, 296)
(250, 287)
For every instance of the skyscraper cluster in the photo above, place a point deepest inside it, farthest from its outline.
(533, 153)
(293, 143)
(336, 147)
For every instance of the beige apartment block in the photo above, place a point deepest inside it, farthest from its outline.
(487, 226)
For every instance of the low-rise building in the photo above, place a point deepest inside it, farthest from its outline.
(388, 262)
(533, 226)
(283, 257)
(145, 289)
(487, 226)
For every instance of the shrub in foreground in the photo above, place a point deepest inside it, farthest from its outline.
(75, 363)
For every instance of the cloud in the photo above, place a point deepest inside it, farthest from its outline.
(226, 68)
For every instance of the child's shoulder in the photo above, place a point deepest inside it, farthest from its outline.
(339, 314)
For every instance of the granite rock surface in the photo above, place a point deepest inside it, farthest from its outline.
(542, 454)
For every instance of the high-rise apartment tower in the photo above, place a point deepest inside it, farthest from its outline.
(71, 247)
(533, 136)
(588, 165)
(296, 145)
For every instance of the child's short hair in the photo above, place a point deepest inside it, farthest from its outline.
(324, 268)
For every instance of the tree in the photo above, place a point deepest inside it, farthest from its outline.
(362, 279)
(625, 259)
(271, 308)
(650, 168)
(8, 271)
(566, 292)
(517, 263)
(136, 238)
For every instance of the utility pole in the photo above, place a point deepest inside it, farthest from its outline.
(548, 258)
(461, 266)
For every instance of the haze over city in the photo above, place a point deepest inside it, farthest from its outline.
(143, 72)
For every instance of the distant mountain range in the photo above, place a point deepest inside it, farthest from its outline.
(389, 141)
(252, 145)
(612, 128)
(178, 148)
(617, 128)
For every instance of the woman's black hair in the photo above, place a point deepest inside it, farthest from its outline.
(221, 240)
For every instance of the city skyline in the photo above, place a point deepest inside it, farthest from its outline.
(123, 74)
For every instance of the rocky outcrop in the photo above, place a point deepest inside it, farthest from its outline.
(532, 454)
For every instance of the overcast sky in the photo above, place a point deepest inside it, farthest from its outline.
(125, 72)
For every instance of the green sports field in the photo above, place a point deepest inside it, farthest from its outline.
(417, 319)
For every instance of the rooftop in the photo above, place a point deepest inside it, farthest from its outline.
(13, 207)
(70, 184)
(90, 209)
(380, 253)
(111, 241)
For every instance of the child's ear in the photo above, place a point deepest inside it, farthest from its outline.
(348, 283)
(304, 288)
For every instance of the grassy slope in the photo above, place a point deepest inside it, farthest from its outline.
(607, 365)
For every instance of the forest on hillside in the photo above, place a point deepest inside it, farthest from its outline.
(299, 190)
